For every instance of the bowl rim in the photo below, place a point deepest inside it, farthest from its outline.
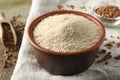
(39, 18)
(95, 7)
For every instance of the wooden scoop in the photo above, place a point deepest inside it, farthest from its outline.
(7, 30)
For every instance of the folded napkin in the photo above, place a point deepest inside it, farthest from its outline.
(27, 67)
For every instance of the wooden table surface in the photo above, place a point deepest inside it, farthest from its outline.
(11, 8)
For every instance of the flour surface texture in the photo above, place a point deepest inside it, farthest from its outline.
(66, 33)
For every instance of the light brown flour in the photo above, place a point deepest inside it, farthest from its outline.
(66, 33)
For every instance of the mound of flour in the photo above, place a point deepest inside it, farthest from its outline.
(66, 33)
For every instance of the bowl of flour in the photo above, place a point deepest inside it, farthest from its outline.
(66, 41)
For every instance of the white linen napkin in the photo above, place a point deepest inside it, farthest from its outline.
(27, 67)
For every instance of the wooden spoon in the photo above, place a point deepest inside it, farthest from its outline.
(5, 24)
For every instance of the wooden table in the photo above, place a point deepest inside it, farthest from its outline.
(11, 8)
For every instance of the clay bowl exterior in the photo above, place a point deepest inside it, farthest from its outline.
(60, 63)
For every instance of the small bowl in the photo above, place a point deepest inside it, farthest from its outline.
(108, 22)
(69, 63)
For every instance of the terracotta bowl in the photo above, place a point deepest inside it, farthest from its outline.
(69, 63)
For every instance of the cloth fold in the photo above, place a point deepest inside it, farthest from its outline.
(27, 67)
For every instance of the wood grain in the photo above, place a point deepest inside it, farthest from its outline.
(10, 8)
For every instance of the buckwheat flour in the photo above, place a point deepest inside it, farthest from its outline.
(66, 33)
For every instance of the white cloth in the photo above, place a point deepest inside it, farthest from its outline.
(27, 67)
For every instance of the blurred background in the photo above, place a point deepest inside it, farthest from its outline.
(12, 8)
